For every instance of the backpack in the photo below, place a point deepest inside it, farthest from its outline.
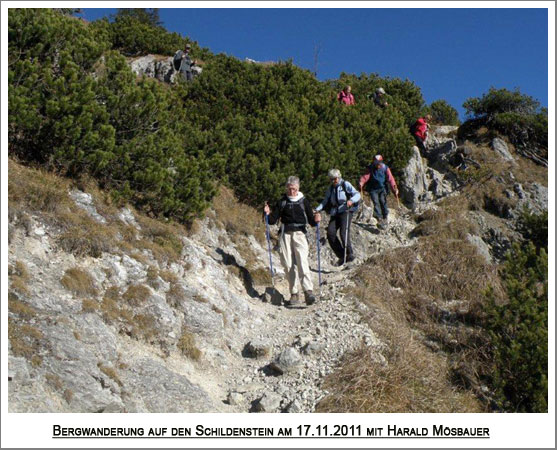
(177, 61)
(329, 206)
(412, 128)
(387, 187)
(297, 202)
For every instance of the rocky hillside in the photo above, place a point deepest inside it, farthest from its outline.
(112, 311)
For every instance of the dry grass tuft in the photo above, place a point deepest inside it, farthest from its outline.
(412, 381)
(162, 239)
(19, 308)
(236, 217)
(187, 345)
(19, 276)
(137, 294)
(25, 340)
(79, 282)
(89, 306)
(110, 372)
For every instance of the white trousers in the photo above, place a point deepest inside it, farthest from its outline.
(294, 257)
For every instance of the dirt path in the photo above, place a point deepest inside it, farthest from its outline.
(314, 338)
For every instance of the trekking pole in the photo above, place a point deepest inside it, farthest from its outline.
(268, 236)
(346, 235)
(397, 199)
(318, 237)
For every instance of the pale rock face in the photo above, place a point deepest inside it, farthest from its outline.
(500, 146)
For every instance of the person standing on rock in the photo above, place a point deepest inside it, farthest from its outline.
(379, 179)
(294, 212)
(183, 63)
(341, 201)
(345, 97)
(419, 132)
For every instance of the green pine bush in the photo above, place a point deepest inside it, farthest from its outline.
(442, 113)
(513, 114)
(76, 107)
(518, 333)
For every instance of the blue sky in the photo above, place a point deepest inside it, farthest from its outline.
(451, 54)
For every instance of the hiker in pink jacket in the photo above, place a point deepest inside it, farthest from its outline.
(419, 131)
(345, 97)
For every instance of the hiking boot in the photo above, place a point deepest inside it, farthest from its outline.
(340, 262)
(294, 300)
(310, 298)
(350, 258)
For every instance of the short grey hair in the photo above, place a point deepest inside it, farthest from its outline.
(293, 180)
(334, 173)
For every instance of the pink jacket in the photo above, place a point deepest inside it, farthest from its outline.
(347, 99)
(421, 128)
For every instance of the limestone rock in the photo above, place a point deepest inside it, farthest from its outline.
(270, 402)
(500, 146)
(288, 360)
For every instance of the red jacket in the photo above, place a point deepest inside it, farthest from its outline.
(421, 128)
(347, 99)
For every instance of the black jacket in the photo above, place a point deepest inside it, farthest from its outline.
(291, 214)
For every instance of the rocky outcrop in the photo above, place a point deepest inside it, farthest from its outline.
(158, 67)
(501, 148)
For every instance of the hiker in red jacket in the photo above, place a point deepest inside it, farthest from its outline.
(419, 131)
(345, 97)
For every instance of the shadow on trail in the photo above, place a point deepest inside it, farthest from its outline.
(368, 227)
(246, 277)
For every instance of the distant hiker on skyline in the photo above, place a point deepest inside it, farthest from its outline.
(378, 98)
(183, 63)
(294, 211)
(345, 96)
(341, 201)
(378, 178)
(419, 131)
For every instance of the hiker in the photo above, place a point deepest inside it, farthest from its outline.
(378, 98)
(341, 201)
(345, 96)
(294, 212)
(419, 131)
(379, 179)
(183, 63)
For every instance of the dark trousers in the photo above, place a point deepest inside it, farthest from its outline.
(379, 199)
(340, 222)
(421, 145)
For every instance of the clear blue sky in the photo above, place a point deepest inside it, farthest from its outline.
(451, 54)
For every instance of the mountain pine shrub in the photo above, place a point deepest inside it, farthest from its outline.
(518, 331)
(513, 114)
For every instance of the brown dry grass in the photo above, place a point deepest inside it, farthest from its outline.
(413, 380)
(427, 296)
(110, 372)
(19, 277)
(26, 340)
(187, 345)
(236, 217)
(89, 306)
(119, 310)
(19, 308)
(79, 282)
(137, 294)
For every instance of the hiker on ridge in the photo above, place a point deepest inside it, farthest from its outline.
(294, 212)
(379, 179)
(419, 131)
(341, 201)
(345, 96)
(183, 63)
(378, 98)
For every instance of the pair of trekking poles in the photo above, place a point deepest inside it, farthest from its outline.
(318, 241)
